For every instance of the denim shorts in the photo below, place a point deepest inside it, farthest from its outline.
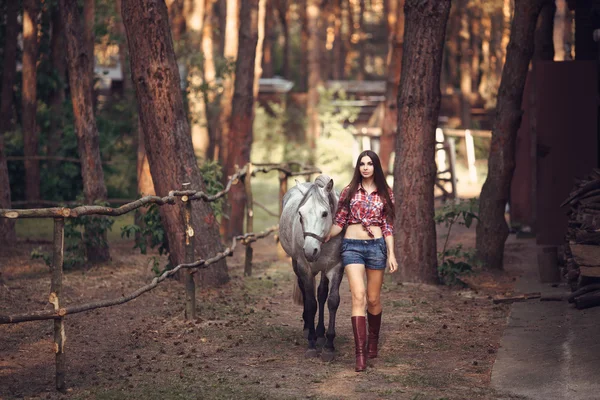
(370, 253)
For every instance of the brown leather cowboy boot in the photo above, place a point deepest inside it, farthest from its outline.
(359, 327)
(374, 325)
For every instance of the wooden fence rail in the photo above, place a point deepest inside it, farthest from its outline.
(186, 195)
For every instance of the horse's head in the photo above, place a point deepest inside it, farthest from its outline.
(315, 214)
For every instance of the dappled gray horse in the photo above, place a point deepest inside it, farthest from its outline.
(307, 216)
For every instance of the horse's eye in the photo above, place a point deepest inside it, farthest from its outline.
(324, 214)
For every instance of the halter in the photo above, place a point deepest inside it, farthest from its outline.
(304, 199)
(314, 235)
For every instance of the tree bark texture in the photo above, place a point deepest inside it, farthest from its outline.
(394, 69)
(167, 133)
(29, 99)
(57, 98)
(314, 73)
(80, 84)
(492, 229)
(414, 167)
(231, 51)
(242, 114)
(123, 55)
(544, 33)
(304, 43)
(9, 67)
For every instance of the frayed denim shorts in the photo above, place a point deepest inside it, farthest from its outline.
(370, 253)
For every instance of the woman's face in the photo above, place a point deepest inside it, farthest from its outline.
(366, 167)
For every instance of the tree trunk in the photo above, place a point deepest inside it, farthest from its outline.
(492, 229)
(196, 105)
(7, 226)
(475, 18)
(283, 13)
(465, 66)
(314, 74)
(176, 19)
(304, 40)
(258, 54)
(507, 9)
(123, 56)
(57, 98)
(231, 51)
(210, 75)
(452, 50)
(418, 108)
(89, 13)
(268, 70)
(80, 84)
(394, 69)
(484, 83)
(144, 177)
(544, 33)
(348, 41)
(29, 99)
(361, 42)
(167, 133)
(242, 111)
(338, 57)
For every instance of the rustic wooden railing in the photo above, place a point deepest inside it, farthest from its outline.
(186, 195)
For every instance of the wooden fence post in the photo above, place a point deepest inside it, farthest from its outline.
(249, 219)
(55, 295)
(190, 286)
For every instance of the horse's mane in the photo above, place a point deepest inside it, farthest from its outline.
(328, 201)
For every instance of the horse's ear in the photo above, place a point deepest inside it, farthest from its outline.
(329, 186)
(297, 182)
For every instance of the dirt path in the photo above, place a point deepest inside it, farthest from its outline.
(437, 343)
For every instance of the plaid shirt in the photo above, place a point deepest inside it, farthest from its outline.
(365, 209)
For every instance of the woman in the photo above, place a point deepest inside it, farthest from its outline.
(366, 209)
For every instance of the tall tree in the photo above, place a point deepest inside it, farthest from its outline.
(362, 42)
(57, 97)
(80, 85)
(231, 50)
(268, 70)
(314, 72)
(210, 75)
(394, 67)
(303, 68)
(29, 99)
(338, 45)
(167, 132)
(89, 15)
(9, 67)
(544, 33)
(465, 66)
(242, 114)
(414, 167)
(492, 229)
(283, 13)
(197, 107)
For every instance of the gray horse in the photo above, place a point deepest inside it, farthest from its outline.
(307, 216)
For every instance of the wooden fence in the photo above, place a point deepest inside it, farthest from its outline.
(186, 196)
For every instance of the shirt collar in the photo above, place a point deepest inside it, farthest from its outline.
(365, 190)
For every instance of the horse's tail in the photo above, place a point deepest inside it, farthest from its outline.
(297, 293)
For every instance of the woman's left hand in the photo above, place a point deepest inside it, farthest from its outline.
(392, 263)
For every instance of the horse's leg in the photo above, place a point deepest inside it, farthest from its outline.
(322, 292)
(299, 273)
(333, 303)
(307, 285)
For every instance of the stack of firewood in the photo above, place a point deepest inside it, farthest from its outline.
(582, 249)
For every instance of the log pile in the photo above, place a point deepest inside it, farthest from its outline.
(582, 250)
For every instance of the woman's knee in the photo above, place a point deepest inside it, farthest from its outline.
(373, 301)
(359, 298)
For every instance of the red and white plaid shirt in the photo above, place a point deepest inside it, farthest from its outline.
(366, 209)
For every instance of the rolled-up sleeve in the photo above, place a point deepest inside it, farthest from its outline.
(341, 215)
(387, 228)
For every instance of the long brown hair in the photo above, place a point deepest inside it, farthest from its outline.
(380, 182)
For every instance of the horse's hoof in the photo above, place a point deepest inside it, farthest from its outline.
(311, 353)
(327, 355)
(321, 342)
